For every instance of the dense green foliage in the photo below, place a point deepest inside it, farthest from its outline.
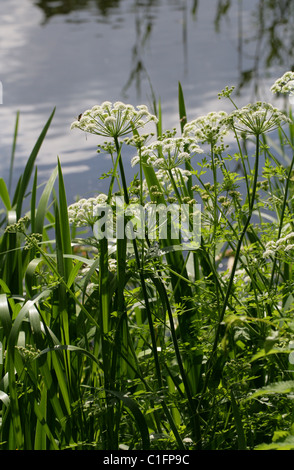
(150, 344)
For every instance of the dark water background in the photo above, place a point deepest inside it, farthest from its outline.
(73, 54)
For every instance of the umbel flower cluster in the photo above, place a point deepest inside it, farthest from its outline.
(82, 212)
(169, 152)
(284, 84)
(113, 120)
(279, 247)
(257, 118)
(211, 128)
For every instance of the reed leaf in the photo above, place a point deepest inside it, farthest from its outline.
(132, 406)
(25, 178)
(43, 203)
(4, 195)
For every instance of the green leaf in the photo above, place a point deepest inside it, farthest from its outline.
(33, 201)
(137, 414)
(285, 444)
(5, 317)
(13, 150)
(69, 347)
(64, 224)
(43, 202)
(21, 317)
(4, 194)
(272, 389)
(182, 108)
(238, 423)
(4, 398)
(264, 353)
(30, 274)
(43, 429)
(25, 178)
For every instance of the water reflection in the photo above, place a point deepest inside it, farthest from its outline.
(143, 30)
(73, 53)
(267, 41)
(64, 7)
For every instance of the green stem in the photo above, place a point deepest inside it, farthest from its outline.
(122, 171)
(215, 214)
(148, 310)
(283, 211)
(231, 280)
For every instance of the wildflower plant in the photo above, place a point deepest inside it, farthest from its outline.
(210, 129)
(187, 337)
(169, 153)
(257, 119)
(284, 85)
(113, 120)
(171, 179)
(83, 212)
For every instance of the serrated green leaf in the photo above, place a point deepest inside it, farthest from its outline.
(274, 388)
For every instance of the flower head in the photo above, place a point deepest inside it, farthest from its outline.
(257, 118)
(284, 84)
(180, 176)
(113, 120)
(83, 212)
(282, 245)
(168, 152)
(210, 128)
(226, 92)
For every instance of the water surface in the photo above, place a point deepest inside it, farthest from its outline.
(54, 54)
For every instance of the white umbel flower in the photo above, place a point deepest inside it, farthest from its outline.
(284, 84)
(170, 152)
(257, 118)
(113, 120)
(211, 128)
(84, 211)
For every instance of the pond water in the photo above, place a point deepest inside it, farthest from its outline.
(74, 54)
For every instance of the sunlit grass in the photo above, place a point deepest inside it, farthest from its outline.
(148, 343)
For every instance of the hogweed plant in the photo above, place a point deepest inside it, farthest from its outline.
(159, 314)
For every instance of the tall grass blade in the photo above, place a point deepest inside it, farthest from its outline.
(64, 224)
(13, 151)
(182, 108)
(43, 203)
(4, 194)
(5, 316)
(136, 412)
(25, 178)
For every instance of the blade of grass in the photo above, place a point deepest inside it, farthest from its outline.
(137, 414)
(64, 224)
(43, 202)
(238, 423)
(25, 178)
(42, 429)
(12, 342)
(4, 194)
(182, 107)
(5, 316)
(13, 151)
(33, 201)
